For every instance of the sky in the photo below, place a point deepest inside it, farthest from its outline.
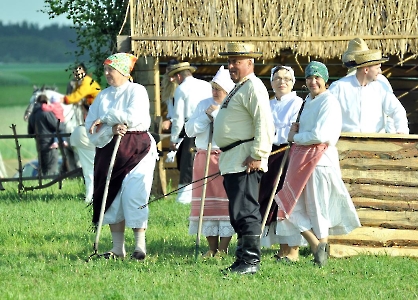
(17, 11)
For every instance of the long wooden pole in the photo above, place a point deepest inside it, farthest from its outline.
(104, 199)
(205, 180)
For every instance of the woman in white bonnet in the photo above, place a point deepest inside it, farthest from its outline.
(216, 225)
(285, 107)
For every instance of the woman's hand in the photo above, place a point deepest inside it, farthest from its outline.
(97, 123)
(294, 128)
(119, 129)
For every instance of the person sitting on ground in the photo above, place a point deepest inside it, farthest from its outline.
(215, 225)
(314, 201)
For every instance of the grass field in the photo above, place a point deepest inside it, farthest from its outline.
(17, 81)
(45, 240)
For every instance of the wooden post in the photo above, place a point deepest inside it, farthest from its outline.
(147, 73)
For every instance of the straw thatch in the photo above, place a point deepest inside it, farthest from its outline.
(322, 28)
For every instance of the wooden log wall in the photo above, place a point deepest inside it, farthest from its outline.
(381, 174)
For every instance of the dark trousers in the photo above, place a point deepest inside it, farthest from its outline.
(244, 211)
(185, 157)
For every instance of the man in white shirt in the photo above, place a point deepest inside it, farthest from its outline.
(186, 97)
(356, 46)
(364, 103)
(244, 131)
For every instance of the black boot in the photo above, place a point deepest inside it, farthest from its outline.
(251, 253)
(238, 257)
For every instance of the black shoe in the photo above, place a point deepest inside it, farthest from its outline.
(231, 267)
(244, 268)
(138, 255)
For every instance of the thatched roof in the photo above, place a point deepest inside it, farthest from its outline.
(320, 28)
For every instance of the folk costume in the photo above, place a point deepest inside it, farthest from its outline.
(314, 196)
(186, 97)
(216, 213)
(244, 127)
(365, 108)
(285, 111)
(131, 180)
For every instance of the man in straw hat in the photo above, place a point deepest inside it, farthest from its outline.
(186, 97)
(364, 103)
(244, 130)
(355, 46)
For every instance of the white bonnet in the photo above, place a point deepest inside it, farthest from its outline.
(223, 79)
(289, 69)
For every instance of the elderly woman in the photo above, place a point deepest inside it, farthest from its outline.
(216, 225)
(285, 107)
(314, 201)
(122, 110)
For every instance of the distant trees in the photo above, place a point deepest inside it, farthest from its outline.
(97, 24)
(27, 43)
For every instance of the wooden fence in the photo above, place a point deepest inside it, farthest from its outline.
(43, 181)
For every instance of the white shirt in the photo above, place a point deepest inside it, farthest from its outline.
(186, 97)
(199, 124)
(127, 104)
(285, 112)
(364, 108)
(320, 122)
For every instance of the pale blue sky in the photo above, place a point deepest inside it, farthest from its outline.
(17, 11)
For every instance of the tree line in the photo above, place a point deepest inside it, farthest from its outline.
(28, 43)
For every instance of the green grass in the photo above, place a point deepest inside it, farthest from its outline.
(9, 116)
(45, 240)
(17, 81)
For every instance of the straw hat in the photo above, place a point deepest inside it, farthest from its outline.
(180, 67)
(354, 47)
(369, 58)
(240, 49)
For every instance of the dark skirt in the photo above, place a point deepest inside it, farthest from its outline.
(267, 184)
(132, 149)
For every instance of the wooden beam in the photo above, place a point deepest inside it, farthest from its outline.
(347, 251)
(377, 237)
(272, 38)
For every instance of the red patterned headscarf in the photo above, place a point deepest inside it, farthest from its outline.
(122, 62)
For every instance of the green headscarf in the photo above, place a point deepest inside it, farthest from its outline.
(316, 68)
